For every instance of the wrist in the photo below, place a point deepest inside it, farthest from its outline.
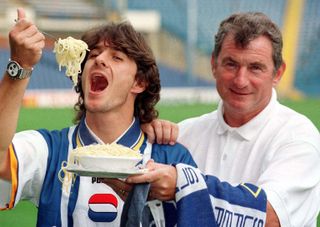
(17, 72)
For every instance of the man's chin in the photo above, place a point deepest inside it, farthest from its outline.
(93, 107)
(236, 106)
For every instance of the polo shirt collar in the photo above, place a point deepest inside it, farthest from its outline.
(132, 137)
(249, 129)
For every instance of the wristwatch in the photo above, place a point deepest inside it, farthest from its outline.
(16, 72)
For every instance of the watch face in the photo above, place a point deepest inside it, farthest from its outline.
(13, 69)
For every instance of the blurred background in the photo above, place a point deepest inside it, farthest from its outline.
(180, 33)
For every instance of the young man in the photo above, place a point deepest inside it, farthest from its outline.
(251, 137)
(118, 88)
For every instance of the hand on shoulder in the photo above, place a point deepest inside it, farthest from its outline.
(161, 131)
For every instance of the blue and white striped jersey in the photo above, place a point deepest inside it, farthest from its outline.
(37, 157)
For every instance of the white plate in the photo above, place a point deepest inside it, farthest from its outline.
(105, 173)
(105, 166)
(105, 163)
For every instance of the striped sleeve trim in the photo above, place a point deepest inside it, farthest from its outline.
(14, 177)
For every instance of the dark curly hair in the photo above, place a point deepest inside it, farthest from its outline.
(124, 38)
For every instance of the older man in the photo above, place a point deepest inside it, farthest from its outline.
(251, 137)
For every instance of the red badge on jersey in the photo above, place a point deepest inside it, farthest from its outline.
(103, 208)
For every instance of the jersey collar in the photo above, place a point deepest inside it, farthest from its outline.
(132, 137)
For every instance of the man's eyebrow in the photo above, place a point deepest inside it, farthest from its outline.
(98, 46)
(257, 63)
(95, 47)
(228, 59)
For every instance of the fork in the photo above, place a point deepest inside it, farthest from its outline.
(43, 32)
(49, 35)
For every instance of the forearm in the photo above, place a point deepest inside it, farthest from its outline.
(272, 218)
(11, 95)
(26, 44)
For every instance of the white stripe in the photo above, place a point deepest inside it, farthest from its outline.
(147, 153)
(100, 207)
(155, 206)
(189, 180)
(66, 194)
(226, 213)
(32, 156)
(157, 212)
(137, 141)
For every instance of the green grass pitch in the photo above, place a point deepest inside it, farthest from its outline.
(25, 213)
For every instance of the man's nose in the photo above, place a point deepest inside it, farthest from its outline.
(102, 59)
(241, 79)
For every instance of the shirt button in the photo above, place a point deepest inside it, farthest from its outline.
(224, 157)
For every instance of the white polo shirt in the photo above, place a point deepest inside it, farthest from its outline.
(278, 150)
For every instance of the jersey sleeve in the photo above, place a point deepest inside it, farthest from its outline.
(172, 154)
(219, 202)
(28, 160)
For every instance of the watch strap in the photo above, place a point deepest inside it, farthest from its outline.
(25, 73)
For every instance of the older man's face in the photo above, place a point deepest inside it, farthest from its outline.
(245, 78)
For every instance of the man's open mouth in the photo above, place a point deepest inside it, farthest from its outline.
(98, 83)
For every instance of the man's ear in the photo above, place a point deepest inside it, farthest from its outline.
(277, 77)
(213, 65)
(138, 87)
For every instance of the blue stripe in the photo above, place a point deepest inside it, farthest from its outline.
(239, 195)
(196, 210)
(50, 198)
(84, 134)
(102, 216)
(132, 135)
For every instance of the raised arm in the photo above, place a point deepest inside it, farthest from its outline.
(26, 44)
